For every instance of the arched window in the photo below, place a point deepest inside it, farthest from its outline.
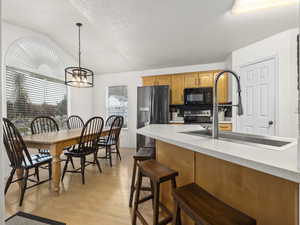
(34, 84)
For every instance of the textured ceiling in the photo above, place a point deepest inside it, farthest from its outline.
(125, 35)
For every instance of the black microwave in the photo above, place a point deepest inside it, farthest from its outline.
(198, 96)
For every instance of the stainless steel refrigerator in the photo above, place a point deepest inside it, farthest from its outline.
(152, 108)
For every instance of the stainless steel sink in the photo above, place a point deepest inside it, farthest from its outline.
(248, 139)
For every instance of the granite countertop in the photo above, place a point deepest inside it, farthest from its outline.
(281, 163)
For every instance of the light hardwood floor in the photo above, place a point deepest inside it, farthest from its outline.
(102, 200)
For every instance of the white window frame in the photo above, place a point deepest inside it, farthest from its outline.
(106, 103)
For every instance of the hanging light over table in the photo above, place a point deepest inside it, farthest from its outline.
(78, 76)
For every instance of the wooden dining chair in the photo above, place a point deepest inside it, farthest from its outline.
(20, 159)
(110, 120)
(108, 123)
(43, 124)
(112, 140)
(88, 144)
(74, 122)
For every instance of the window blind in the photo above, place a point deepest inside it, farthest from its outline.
(29, 95)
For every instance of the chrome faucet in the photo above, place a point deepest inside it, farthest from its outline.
(215, 130)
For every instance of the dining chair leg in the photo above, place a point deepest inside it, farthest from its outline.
(8, 182)
(65, 168)
(82, 169)
(118, 151)
(97, 162)
(24, 186)
(72, 163)
(50, 170)
(109, 155)
(37, 174)
(106, 152)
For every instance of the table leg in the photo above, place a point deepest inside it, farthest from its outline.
(56, 167)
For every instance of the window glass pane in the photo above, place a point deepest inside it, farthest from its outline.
(29, 95)
(117, 102)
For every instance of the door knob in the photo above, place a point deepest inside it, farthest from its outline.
(271, 123)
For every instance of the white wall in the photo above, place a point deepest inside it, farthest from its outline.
(81, 102)
(283, 46)
(133, 80)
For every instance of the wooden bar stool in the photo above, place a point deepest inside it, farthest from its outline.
(204, 208)
(158, 174)
(141, 155)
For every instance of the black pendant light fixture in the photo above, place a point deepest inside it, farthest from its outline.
(77, 76)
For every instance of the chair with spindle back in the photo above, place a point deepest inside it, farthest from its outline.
(108, 123)
(112, 140)
(43, 124)
(20, 159)
(74, 122)
(88, 144)
(110, 120)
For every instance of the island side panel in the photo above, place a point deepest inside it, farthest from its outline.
(181, 160)
(268, 199)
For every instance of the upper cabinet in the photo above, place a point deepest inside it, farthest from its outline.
(149, 81)
(179, 82)
(191, 80)
(206, 79)
(222, 88)
(157, 80)
(177, 89)
(196, 80)
(164, 80)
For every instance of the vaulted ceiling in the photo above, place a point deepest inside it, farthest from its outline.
(126, 35)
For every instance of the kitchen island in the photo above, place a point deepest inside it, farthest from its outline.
(261, 182)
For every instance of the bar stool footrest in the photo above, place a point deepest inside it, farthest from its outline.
(145, 199)
(164, 221)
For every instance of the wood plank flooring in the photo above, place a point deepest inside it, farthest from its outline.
(102, 200)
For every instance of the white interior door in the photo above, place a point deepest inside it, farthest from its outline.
(259, 98)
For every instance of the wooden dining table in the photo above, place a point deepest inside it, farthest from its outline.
(56, 142)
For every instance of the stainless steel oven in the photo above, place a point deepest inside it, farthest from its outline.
(198, 96)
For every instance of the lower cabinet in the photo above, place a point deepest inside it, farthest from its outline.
(225, 126)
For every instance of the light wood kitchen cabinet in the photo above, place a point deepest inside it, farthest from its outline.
(164, 80)
(177, 90)
(206, 79)
(179, 82)
(191, 80)
(149, 81)
(157, 80)
(225, 126)
(222, 88)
